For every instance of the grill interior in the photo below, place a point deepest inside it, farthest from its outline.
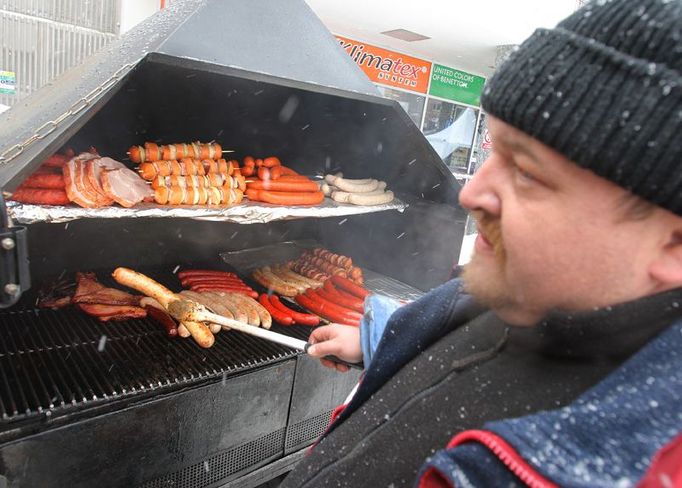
(53, 362)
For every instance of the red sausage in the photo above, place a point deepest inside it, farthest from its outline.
(299, 318)
(201, 272)
(44, 180)
(319, 309)
(339, 300)
(286, 185)
(221, 284)
(211, 279)
(56, 161)
(40, 196)
(328, 305)
(164, 319)
(271, 162)
(287, 197)
(329, 286)
(276, 313)
(350, 287)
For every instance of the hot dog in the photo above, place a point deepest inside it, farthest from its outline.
(352, 288)
(320, 310)
(279, 316)
(333, 295)
(299, 318)
(286, 198)
(44, 180)
(295, 185)
(163, 318)
(316, 296)
(41, 196)
(271, 162)
(202, 272)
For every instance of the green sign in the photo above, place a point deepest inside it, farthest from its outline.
(8, 82)
(456, 85)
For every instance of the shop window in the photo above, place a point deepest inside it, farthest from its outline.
(412, 103)
(450, 130)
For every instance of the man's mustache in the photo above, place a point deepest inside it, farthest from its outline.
(492, 230)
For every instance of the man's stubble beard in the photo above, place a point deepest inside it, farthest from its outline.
(484, 279)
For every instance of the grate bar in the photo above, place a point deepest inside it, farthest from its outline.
(25, 353)
(14, 376)
(45, 368)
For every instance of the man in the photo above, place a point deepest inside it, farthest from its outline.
(568, 319)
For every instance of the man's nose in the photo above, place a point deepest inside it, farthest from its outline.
(480, 192)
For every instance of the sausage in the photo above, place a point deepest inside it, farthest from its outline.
(246, 304)
(264, 173)
(352, 288)
(286, 171)
(210, 277)
(182, 331)
(230, 289)
(215, 281)
(41, 196)
(278, 315)
(371, 199)
(200, 333)
(207, 302)
(270, 275)
(163, 318)
(56, 161)
(328, 304)
(231, 304)
(145, 285)
(204, 272)
(287, 198)
(335, 296)
(285, 185)
(320, 310)
(347, 295)
(273, 283)
(271, 162)
(44, 180)
(294, 277)
(299, 318)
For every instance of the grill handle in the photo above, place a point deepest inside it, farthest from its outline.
(15, 277)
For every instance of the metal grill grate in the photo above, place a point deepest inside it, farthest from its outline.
(56, 362)
(305, 432)
(218, 467)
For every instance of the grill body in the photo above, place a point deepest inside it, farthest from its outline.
(87, 404)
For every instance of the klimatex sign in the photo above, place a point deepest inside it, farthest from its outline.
(389, 67)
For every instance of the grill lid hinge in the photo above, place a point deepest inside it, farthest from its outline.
(15, 277)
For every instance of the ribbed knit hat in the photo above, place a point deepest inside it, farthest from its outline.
(604, 88)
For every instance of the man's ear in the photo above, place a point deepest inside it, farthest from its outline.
(667, 268)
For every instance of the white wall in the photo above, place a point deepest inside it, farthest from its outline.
(135, 11)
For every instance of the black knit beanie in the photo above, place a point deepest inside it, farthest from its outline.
(604, 88)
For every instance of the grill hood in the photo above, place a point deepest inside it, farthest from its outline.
(256, 75)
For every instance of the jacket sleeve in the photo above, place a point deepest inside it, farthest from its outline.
(378, 309)
(467, 465)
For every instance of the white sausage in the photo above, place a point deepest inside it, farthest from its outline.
(363, 199)
(352, 186)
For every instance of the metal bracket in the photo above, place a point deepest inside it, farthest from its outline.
(15, 277)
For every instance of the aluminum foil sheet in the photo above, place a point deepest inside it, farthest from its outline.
(246, 213)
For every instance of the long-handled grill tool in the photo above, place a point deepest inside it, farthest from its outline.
(189, 311)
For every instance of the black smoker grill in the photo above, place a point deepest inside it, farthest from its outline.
(87, 404)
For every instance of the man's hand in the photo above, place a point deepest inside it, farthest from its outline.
(342, 341)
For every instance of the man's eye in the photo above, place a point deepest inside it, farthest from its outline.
(523, 175)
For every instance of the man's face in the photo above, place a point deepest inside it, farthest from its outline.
(551, 234)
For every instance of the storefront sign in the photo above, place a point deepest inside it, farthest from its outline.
(456, 85)
(388, 67)
(8, 82)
